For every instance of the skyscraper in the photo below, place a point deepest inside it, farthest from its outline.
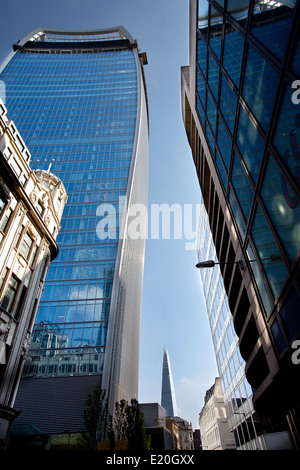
(243, 421)
(79, 101)
(168, 398)
(241, 113)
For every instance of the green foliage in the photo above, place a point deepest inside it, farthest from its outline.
(95, 417)
(126, 423)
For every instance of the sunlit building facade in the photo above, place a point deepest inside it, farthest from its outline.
(79, 100)
(241, 113)
(168, 397)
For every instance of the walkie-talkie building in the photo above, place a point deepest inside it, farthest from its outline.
(240, 103)
(79, 101)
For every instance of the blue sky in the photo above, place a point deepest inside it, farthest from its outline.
(173, 310)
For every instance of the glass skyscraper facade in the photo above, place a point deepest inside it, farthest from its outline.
(241, 112)
(79, 101)
(243, 421)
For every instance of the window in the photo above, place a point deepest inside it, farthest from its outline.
(15, 167)
(233, 53)
(2, 203)
(228, 103)
(10, 294)
(5, 219)
(26, 246)
(242, 186)
(250, 143)
(272, 26)
(40, 207)
(268, 251)
(260, 87)
(283, 208)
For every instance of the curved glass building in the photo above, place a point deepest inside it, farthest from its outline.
(240, 103)
(79, 101)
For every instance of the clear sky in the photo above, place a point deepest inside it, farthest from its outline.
(173, 311)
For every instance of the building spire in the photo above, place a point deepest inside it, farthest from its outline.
(168, 399)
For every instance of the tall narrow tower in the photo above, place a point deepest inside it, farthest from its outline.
(79, 101)
(168, 398)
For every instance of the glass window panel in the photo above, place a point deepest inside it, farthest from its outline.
(278, 337)
(211, 113)
(290, 314)
(286, 138)
(10, 294)
(275, 271)
(224, 143)
(203, 17)
(242, 186)
(271, 24)
(250, 144)
(228, 103)
(201, 55)
(213, 76)
(26, 245)
(233, 53)
(260, 280)
(201, 88)
(221, 169)
(238, 10)
(210, 138)
(260, 87)
(215, 31)
(295, 66)
(237, 214)
(283, 208)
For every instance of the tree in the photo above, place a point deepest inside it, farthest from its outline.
(96, 420)
(128, 423)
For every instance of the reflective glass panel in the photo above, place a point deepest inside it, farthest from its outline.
(211, 113)
(260, 87)
(268, 252)
(215, 31)
(237, 214)
(203, 7)
(271, 24)
(287, 134)
(213, 76)
(250, 144)
(228, 103)
(283, 208)
(201, 55)
(242, 186)
(238, 9)
(224, 143)
(233, 53)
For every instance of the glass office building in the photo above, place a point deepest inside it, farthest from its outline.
(243, 420)
(241, 113)
(79, 101)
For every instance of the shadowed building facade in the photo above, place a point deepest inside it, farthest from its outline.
(79, 100)
(241, 114)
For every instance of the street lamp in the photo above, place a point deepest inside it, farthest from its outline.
(210, 264)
